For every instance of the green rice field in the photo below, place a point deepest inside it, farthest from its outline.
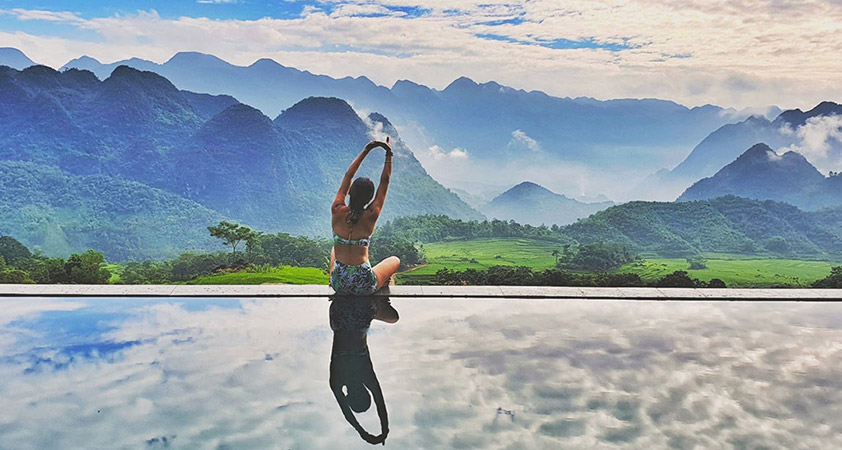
(479, 254)
(283, 274)
(735, 270)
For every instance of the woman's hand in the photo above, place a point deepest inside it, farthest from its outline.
(374, 144)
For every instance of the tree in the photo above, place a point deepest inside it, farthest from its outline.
(13, 252)
(252, 241)
(555, 255)
(232, 234)
(834, 280)
(697, 263)
(86, 268)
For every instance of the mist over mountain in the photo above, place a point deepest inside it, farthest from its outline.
(212, 150)
(761, 173)
(721, 147)
(489, 124)
(530, 203)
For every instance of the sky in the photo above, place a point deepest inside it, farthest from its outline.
(737, 53)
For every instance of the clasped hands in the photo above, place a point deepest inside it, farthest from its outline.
(385, 145)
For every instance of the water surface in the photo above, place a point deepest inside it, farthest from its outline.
(253, 373)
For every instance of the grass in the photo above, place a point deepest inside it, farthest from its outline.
(737, 272)
(282, 274)
(479, 254)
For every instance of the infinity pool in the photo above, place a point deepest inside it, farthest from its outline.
(482, 373)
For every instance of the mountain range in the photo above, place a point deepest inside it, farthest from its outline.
(490, 123)
(761, 173)
(210, 150)
(728, 142)
(530, 203)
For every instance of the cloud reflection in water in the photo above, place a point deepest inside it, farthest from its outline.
(253, 374)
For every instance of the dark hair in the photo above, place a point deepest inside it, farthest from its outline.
(359, 400)
(362, 191)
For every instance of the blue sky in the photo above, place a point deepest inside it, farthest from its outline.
(742, 53)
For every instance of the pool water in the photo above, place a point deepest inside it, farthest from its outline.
(454, 373)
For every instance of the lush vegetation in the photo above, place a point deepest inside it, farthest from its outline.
(834, 280)
(19, 265)
(267, 275)
(59, 214)
(137, 169)
(525, 276)
(730, 225)
(735, 272)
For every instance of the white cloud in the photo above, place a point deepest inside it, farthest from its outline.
(43, 15)
(745, 53)
(437, 153)
(521, 140)
(819, 140)
(217, 2)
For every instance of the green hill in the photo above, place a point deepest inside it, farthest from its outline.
(47, 209)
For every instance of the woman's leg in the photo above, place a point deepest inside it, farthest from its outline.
(385, 311)
(332, 261)
(385, 269)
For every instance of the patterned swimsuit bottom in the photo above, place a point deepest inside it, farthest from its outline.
(353, 280)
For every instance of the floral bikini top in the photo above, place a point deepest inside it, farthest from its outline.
(363, 242)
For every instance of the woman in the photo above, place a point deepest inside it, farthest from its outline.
(353, 224)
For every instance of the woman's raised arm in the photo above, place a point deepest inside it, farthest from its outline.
(385, 176)
(349, 175)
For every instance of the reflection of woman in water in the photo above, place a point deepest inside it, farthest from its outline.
(350, 362)
(350, 271)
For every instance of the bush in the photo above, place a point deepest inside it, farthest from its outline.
(834, 280)
(599, 257)
(15, 276)
(697, 263)
(147, 272)
(716, 283)
(409, 254)
(679, 278)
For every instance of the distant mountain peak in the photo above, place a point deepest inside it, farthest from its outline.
(196, 58)
(267, 63)
(460, 84)
(528, 185)
(319, 110)
(83, 59)
(531, 203)
(761, 173)
(14, 58)
(757, 150)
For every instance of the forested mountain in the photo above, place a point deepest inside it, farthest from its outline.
(59, 214)
(667, 229)
(229, 157)
(727, 143)
(724, 225)
(478, 117)
(760, 173)
(530, 203)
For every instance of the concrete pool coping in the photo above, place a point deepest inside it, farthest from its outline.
(544, 292)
